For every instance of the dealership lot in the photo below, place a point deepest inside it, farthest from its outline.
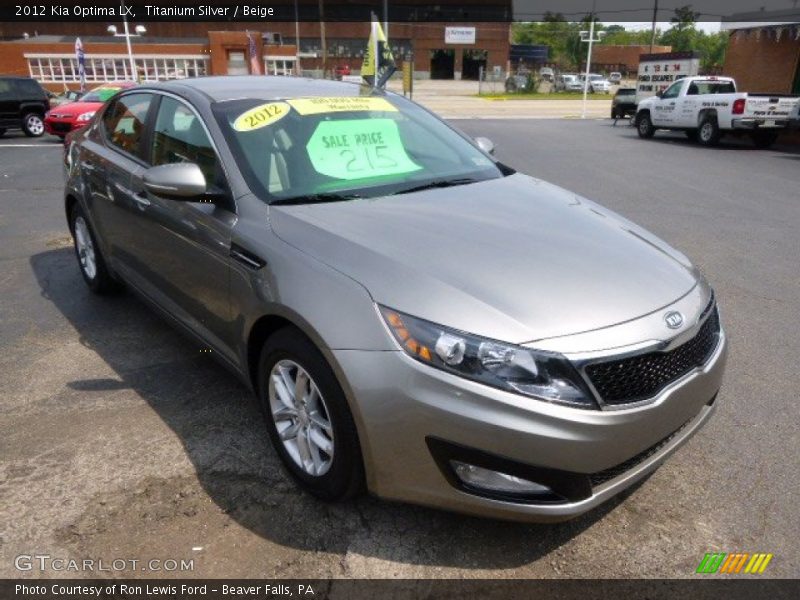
(120, 439)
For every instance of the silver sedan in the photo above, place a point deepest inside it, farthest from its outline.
(414, 317)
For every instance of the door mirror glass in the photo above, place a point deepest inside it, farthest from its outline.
(179, 181)
(485, 144)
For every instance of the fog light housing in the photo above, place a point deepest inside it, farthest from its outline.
(497, 482)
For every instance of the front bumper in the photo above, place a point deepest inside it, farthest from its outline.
(401, 405)
(60, 127)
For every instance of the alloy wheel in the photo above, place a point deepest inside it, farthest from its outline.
(85, 248)
(301, 417)
(35, 125)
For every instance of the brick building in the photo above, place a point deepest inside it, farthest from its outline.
(764, 57)
(169, 49)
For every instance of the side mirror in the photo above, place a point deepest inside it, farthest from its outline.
(485, 144)
(178, 181)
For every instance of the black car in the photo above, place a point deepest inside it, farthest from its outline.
(23, 104)
(624, 103)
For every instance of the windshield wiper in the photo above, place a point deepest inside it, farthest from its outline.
(440, 183)
(314, 199)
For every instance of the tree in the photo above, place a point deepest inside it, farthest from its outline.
(682, 36)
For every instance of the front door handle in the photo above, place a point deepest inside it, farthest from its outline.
(141, 199)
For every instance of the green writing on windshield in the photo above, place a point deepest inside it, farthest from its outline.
(358, 148)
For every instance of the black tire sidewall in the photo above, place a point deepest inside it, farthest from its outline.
(650, 129)
(345, 476)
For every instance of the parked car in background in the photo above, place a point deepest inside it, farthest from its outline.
(615, 77)
(708, 107)
(531, 361)
(63, 98)
(547, 74)
(67, 117)
(624, 103)
(340, 71)
(23, 104)
(568, 82)
(597, 83)
(521, 81)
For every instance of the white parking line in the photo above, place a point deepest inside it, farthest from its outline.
(28, 146)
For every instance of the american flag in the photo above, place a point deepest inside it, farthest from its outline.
(81, 62)
(255, 64)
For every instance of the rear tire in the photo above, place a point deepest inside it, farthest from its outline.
(33, 125)
(644, 126)
(708, 134)
(302, 428)
(764, 139)
(90, 260)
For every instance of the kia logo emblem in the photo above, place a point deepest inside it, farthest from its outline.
(673, 319)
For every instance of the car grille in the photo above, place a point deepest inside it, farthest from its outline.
(602, 477)
(61, 127)
(642, 376)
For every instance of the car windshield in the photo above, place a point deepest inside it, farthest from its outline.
(630, 92)
(595, 77)
(101, 94)
(319, 149)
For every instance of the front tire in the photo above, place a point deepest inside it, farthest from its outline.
(33, 125)
(708, 134)
(308, 418)
(644, 126)
(90, 260)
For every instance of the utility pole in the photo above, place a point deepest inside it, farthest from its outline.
(386, 20)
(128, 42)
(296, 39)
(653, 34)
(591, 41)
(322, 38)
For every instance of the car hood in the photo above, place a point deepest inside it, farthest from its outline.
(73, 109)
(514, 259)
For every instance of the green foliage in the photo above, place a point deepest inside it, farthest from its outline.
(567, 51)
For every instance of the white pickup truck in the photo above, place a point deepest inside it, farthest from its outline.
(708, 107)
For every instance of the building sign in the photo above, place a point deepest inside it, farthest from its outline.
(658, 71)
(459, 35)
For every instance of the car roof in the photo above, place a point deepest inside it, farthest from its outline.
(230, 87)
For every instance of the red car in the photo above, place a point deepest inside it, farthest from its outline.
(74, 115)
(341, 70)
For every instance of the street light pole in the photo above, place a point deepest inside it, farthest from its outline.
(591, 41)
(128, 42)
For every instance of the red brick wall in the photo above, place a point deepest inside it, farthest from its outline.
(762, 64)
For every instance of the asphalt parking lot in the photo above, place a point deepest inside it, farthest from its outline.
(119, 439)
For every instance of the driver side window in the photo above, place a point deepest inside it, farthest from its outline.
(673, 90)
(179, 136)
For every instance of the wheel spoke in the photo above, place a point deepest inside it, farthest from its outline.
(301, 385)
(290, 432)
(283, 391)
(320, 422)
(284, 413)
(320, 440)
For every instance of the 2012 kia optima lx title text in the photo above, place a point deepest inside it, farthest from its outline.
(414, 317)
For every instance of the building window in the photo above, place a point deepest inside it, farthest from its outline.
(237, 65)
(63, 68)
(279, 65)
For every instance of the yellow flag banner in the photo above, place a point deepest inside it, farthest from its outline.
(377, 72)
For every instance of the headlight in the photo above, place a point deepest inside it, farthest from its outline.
(86, 116)
(542, 375)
